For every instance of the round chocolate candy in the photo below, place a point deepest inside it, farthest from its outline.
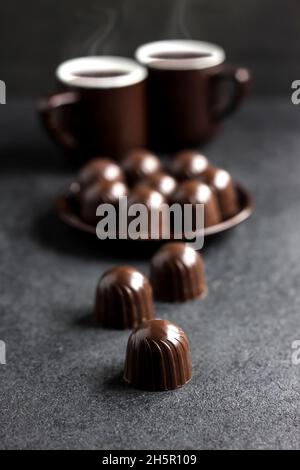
(145, 195)
(139, 164)
(100, 169)
(196, 192)
(124, 299)
(189, 164)
(161, 182)
(158, 357)
(97, 169)
(99, 193)
(151, 218)
(177, 273)
(224, 187)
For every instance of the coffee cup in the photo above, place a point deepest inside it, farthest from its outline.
(190, 91)
(101, 108)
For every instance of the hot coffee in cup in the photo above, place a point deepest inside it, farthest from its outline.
(185, 98)
(102, 108)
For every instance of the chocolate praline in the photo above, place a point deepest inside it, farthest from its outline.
(158, 357)
(140, 163)
(147, 196)
(123, 299)
(98, 169)
(99, 193)
(196, 192)
(161, 182)
(177, 273)
(189, 164)
(222, 183)
(152, 201)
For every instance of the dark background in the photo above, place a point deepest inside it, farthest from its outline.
(36, 35)
(62, 385)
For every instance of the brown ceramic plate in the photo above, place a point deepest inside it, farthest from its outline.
(66, 210)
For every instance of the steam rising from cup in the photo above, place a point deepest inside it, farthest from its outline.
(106, 30)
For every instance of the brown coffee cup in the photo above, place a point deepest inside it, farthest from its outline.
(187, 96)
(102, 108)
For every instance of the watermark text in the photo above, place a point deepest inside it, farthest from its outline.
(2, 92)
(2, 352)
(296, 352)
(296, 93)
(160, 222)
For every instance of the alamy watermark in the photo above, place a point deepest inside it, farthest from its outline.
(295, 97)
(2, 353)
(157, 222)
(296, 352)
(2, 92)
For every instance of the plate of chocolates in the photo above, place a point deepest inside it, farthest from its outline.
(188, 179)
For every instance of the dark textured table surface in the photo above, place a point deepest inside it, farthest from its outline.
(62, 387)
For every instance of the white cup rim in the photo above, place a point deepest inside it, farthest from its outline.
(216, 55)
(134, 72)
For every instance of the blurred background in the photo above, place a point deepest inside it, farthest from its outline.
(36, 35)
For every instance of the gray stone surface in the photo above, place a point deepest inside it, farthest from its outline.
(62, 388)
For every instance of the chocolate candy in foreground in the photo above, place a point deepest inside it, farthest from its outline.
(224, 187)
(189, 164)
(196, 192)
(177, 273)
(139, 164)
(158, 357)
(124, 299)
(99, 193)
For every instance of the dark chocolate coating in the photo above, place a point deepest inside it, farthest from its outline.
(196, 192)
(177, 273)
(140, 163)
(152, 200)
(189, 164)
(145, 195)
(224, 187)
(158, 357)
(98, 193)
(100, 169)
(161, 182)
(124, 299)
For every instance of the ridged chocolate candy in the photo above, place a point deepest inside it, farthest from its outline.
(99, 193)
(189, 164)
(123, 299)
(161, 182)
(223, 184)
(158, 357)
(140, 163)
(196, 192)
(177, 273)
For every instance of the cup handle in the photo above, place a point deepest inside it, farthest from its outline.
(240, 79)
(48, 107)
